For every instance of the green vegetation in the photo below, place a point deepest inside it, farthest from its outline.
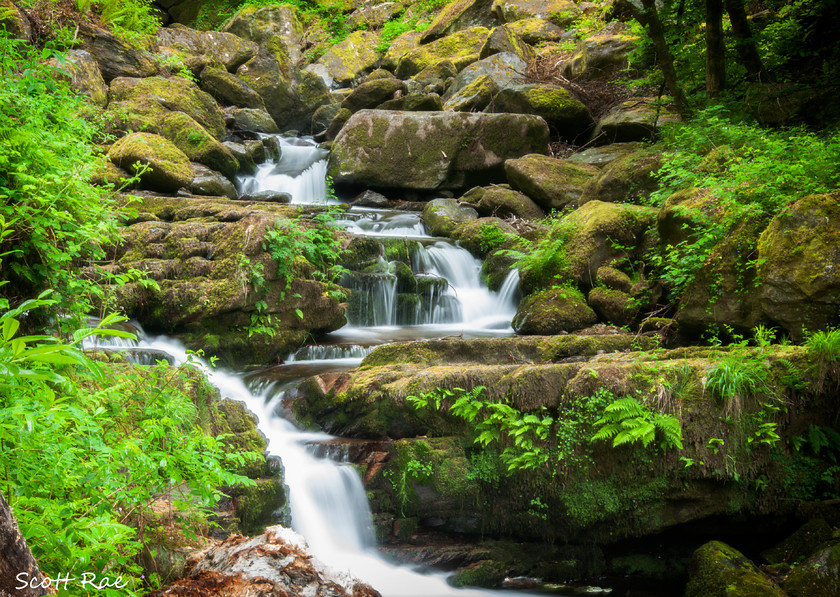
(627, 421)
(736, 377)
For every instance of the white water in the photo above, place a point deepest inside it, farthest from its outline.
(301, 172)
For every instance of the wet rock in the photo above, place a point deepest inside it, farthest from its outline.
(370, 199)
(228, 89)
(502, 201)
(85, 77)
(372, 93)
(551, 183)
(486, 573)
(268, 197)
(718, 570)
(169, 168)
(442, 215)
(115, 57)
(273, 564)
(260, 24)
(504, 39)
(457, 15)
(628, 179)
(483, 235)
(800, 544)
(252, 120)
(799, 265)
(349, 59)
(632, 120)
(553, 311)
(461, 48)
(210, 182)
(246, 155)
(337, 123)
(448, 150)
(563, 113)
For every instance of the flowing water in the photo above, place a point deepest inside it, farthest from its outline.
(327, 500)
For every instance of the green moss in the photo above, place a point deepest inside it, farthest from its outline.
(257, 506)
(486, 573)
(168, 167)
(461, 48)
(198, 145)
(718, 570)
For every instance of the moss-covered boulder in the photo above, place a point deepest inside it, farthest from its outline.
(198, 145)
(560, 12)
(484, 573)
(553, 311)
(372, 93)
(818, 575)
(142, 104)
(291, 96)
(435, 78)
(628, 179)
(632, 120)
(799, 265)
(15, 21)
(405, 43)
(605, 154)
(718, 570)
(474, 97)
(614, 279)
(230, 90)
(563, 113)
(441, 216)
(685, 213)
(602, 53)
(447, 150)
(535, 30)
(802, 543)
(337, 123)
(373, 15)
(351, 58)
(457, 15)
(84, 76)
(502, 201)
(414, 102)
(169, 168)
(461, 48)
(613, 306)
(251, 120)
(504, 39)
(115, 56)
(505, 69)
(261, 23)
(551, 183)
(210, 182)
(218, 47)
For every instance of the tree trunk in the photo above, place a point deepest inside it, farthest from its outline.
(16, 561)
(744, 42)
(664, 57)
(715, 48)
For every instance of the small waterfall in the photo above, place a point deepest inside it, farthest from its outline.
(329, 352)
(300, 171)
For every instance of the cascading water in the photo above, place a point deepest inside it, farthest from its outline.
(300, 171)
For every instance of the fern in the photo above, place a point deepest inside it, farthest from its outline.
(627, 421)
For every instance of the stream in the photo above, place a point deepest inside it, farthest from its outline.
(326, 497)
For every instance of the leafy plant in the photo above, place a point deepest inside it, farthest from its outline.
(735, 377)
(628, 421)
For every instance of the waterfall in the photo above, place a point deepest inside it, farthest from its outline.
(300, 171)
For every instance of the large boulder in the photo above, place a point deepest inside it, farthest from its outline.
(551, 183)
(168, 168)
(632, 120)
(447, 150)
(505, 69)
(442, 216)
(553, 311)
(261, 23)
(457, 15)
(474, 97)
(116, 57)
(502, 201)
(605, 154)
(602, 53)
(291, 96)
(142, 104)
(210, 182)
(226, 48)
(373, 15)
(505, 39)
(435, 78)
(534, 30)
(351, 58)
(718, 570)
(251, 119)
(370, 94)
(563, 113)
(629, 179)
(559, 12)
(85, 77)
(818, 575)
(15, 22)
(197, 144)
(229, 90)
(799, 265)
(405, 43)
(461, 48)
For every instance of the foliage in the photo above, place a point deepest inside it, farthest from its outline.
(824, 345)
(735, 377)
(628, 421)
(751, 172)
(544, 260)
(58, 220)
(83, 454)
(410, 469)
(490, 237)
(131, 19)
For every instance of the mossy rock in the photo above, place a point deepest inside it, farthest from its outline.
(115, 56)
(551, 183)
(486, 573)
(799, 265)
(561, 13)
(337, 123)
(535, 30)
(83, 75)
(351, 58)
(401, 46)
(474, 97)
(211, 47)
(629, 179)
(553, 311)
(563, 113)
(244, 436)
(197, 144)
(718, 570)
(614, 279)
(505, 39)
(210, 182)
(685, 213)
(229, 89)
(14, 21)
(457, 15)
(613, 306)
(447, 150)
(372, 93)
(461, 49)
(142, 104)
(817, 576)
(441, 216)
(169, 168)
(632, 120)
(260, 506)
(483, 235)
(503, 202)
(251, 120)
(605, 154)
(262, 23)
(414, 102)
(496, 268)
(602, 53)
(505, 69)
(800, 544)
(247, 154)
